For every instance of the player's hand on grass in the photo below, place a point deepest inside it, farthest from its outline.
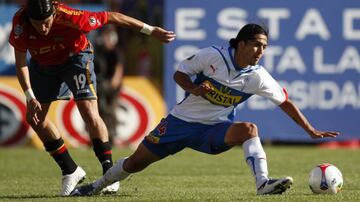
(33, 108)
(163, 35)
(315, 134)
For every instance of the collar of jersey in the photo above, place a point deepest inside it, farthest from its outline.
(239, 70)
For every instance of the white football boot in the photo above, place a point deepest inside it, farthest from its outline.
(95, 188)
(85, 190)
(70, 181)
(111, 189)
(275, 186)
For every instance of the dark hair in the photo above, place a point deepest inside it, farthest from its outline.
(39, 9)
(247, 33)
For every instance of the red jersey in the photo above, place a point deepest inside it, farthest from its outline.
(66, 37)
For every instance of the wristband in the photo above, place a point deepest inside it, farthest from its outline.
(147, 29)
(29, 94)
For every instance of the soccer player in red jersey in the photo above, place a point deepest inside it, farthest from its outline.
(62, 61)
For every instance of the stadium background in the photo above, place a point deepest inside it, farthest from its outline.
(313, 52)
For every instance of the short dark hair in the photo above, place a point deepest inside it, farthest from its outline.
(39, 9)
(247, 33)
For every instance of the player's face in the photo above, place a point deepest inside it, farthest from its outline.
(43, 26)
(253, 50)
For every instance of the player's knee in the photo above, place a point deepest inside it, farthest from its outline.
(240, 132)
(251, 130)
(247, 129)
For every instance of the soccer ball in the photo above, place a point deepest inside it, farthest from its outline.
(325, 179)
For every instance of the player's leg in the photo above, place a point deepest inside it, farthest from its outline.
(81, 79)
(161, 142)
(138, 161)
(246, 134)
(99, 137)
(53, 143)
(47, 131)
(97, 131)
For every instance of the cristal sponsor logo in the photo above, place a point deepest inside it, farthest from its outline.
(222, 96)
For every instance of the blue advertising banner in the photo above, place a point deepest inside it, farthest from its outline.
(7, 57)
(313, 52)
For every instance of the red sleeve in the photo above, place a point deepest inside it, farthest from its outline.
(85, 20)
(18, 36)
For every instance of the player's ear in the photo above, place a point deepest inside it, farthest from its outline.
(241, 44)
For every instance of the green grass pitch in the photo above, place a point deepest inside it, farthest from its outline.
(30, 175)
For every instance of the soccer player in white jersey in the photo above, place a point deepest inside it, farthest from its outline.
(204, 120)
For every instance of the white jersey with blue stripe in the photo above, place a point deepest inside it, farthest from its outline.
(232, 85)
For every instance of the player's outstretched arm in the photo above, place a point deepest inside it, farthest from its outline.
(294, 112)
(22, 73)
(132, 23)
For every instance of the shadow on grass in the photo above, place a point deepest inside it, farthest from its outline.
(14, 197)
(29, 197)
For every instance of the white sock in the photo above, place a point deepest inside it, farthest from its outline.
(256, 159)
(114, 174)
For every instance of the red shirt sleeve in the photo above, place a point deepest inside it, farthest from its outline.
(85, 20)
(18, 35)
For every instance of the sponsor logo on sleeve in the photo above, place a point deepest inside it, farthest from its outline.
(92, 21)
(18, 30)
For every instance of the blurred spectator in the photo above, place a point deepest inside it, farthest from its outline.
(108, 63)
(146, 55)
(19, 2)
(81, 1)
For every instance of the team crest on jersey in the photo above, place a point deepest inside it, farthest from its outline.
(222, 96)
(162, 127)
(92, 21)
(18, 30)
(152, 138)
